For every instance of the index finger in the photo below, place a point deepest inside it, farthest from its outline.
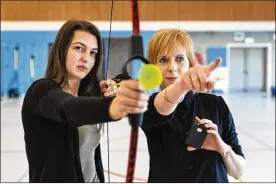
(212, 66)
(109, 82)
(199, 120)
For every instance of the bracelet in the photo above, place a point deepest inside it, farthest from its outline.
(166, 98)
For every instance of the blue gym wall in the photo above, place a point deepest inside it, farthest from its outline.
(36, 43)
(210, 45)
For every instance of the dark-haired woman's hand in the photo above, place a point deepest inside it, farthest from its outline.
(106, 89)
(131, 98)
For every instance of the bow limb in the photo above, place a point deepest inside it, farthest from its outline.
(137, 49)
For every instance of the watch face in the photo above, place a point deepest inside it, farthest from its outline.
(196, 135)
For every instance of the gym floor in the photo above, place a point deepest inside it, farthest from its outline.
(254, 117)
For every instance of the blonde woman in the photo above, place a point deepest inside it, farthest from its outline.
(177, 106)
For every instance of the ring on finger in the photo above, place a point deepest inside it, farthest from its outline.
(209, 122)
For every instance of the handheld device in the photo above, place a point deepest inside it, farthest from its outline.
(196, 135)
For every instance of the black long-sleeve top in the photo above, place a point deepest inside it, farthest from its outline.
(170, 161)
(50, 119)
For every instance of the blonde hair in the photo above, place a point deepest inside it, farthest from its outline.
(165, 41)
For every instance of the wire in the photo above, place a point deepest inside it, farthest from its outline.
(107, 129)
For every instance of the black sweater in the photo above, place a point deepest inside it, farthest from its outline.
(169, 159)
(50, 119)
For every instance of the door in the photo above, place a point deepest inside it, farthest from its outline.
(236, 70)
(256, 67)
(247, 71)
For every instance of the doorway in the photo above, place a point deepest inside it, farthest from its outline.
(249, 68)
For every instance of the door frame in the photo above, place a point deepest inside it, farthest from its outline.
(266, 46)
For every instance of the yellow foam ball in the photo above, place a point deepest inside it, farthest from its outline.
(150, 76)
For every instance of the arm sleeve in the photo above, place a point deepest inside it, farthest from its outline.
(48, 100)
(229, 135)
(152, 116)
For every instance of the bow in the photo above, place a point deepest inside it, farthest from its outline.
(105, 77)
(134, 119)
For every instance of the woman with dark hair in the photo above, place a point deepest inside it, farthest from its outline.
(62, 113)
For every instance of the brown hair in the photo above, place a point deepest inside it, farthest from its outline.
(164, 42)
(56, 69)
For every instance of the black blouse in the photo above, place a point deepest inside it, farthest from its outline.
(169, 159)
(50, 119)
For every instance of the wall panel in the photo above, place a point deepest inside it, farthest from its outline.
(149, 10)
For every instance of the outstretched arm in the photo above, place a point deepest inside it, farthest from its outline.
(194, 79)
(47, 99)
